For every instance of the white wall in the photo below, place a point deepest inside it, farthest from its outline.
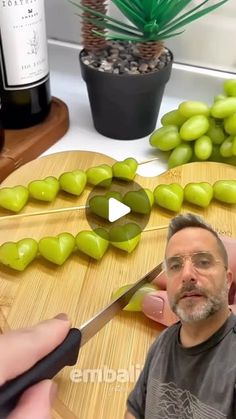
(62, 23)
(208, 42)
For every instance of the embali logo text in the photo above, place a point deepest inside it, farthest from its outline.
(106, 375)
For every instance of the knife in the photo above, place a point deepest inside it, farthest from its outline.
(67, 352)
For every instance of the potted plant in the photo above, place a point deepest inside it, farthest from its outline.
(126, 65)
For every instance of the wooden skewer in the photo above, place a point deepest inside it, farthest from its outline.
(59, 210)
(31, 214)
(148, 161)
(164, 227)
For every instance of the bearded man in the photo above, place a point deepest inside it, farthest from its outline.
(190, 370)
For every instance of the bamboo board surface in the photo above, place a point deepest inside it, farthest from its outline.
(82, 286)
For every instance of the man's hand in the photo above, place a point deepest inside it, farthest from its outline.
(128, 415)
(20, 350)
(233, 308)
(156, 306)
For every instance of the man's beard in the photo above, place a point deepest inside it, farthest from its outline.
(193, 311)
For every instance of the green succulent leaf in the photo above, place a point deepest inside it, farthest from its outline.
(116, 28)
(135, 5)
(106, 19)
(138, 20)
(152, 20)
(148, 6)
(189, 12)
(122, 37)
(191, 17)
(173, 9)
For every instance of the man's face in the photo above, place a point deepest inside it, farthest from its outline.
(199, 287)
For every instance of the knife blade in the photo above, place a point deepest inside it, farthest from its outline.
(66, 353)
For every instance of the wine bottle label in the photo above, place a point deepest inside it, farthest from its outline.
(23, 47)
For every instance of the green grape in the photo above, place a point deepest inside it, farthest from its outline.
(199, 194)
(135, 303)
(140, 201)
(192, 108)
(219, 97)
(234, 146)
(73, 182)
(165, 138)
(44, 190)
(93, 243)
(226, 148)
(100, 175)
(173, 118)
(212, 123)
(230, 87)
(99, 205)
(216, 155)
(224, 108)
(125, 237)
(18, 255)
(216, 132)
(57, 249)
(194, 127)
(230, 124)
(225, 191)
(114, 194)
(203, 147)
(208, 127)
(14, 198)
(180, 155)
(125, 170)
(194, 158)
(169, 196)
(229, 160)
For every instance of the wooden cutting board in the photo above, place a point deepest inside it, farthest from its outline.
(83, 286)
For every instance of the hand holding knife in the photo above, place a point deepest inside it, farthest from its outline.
(66, 353)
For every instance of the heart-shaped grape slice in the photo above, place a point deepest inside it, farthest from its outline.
(45, 189)
(18, 255)
(100, 175)
(140, 201)
(14, 199)
(57, 249)
(199, 194)
(225, 191)
(125, 237)
(93, 243)
(169, 196)
(99, 204)
(73, 182)
(126, 169)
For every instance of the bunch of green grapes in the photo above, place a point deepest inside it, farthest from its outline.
(197, 132)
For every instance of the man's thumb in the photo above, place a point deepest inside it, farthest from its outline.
(155, 305)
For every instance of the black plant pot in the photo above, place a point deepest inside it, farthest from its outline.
(125, 107)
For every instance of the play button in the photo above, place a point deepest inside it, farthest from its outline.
(116, 210)
(108, 207)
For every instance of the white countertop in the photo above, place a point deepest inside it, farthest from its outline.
(186, 83)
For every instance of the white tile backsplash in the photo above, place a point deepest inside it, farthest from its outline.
(208, 42)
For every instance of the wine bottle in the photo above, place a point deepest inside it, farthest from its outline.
(1, 131)
(24, 73)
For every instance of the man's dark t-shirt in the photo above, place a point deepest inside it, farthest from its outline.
(188, 383)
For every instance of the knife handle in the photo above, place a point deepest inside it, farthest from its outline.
(65, 354)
